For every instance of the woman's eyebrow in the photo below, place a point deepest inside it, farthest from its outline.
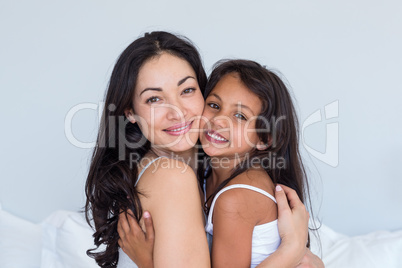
(184, 80)
(160, 89)
(151, 88)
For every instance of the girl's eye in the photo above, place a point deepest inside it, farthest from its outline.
(188, 90)
(152, 100)
(213, 105)
(240, 116)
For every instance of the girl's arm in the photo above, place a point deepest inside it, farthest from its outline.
(138, 245)
(234, 218)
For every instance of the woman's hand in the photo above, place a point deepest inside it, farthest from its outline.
(292, 222)
(136, 243)
(293, 229)
(310, 261)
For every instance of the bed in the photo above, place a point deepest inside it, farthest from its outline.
(60, 241)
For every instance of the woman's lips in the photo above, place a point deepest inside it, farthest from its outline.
(213, 136)
(179, 129)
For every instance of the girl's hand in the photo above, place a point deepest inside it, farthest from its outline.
(136, 243)
(292, 223)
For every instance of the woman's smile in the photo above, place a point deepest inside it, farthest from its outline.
(179, 129)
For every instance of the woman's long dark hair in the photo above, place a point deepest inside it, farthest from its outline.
(278, 120)
(112, 175)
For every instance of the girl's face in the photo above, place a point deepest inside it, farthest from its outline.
(168, 103)
(230, 113)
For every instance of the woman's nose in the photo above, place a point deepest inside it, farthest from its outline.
(176, 111)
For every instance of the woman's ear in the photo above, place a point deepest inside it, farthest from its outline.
(129, 115)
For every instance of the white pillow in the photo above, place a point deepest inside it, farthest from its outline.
(66, 238)
(20, 242)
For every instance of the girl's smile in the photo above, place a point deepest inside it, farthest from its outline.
(214, 136)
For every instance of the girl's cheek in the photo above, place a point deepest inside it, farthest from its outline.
(251, 136)
(206, 115)
(205, 122)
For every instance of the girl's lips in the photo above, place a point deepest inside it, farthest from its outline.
(213, 136)
(179, 129)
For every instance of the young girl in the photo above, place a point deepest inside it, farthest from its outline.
(249, 132)
(250, 136)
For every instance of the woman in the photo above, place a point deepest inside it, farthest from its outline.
(164, 69)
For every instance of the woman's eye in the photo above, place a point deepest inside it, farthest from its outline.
(240, 116)
(152, 100)
(213, 105)
(188, 90)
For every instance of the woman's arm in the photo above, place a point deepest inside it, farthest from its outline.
(293, 229)
(171, 195)
(175, 202)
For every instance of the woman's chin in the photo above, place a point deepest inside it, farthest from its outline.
(177, 147)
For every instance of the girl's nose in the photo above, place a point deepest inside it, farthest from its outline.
(221, 121)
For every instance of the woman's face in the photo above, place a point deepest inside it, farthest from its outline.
(230, 113)
(168, 103)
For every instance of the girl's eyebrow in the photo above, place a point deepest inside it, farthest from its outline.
(160, 89)
(243, 106)
(237, 105)
(216, 96)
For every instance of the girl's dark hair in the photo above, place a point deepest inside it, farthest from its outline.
(112, 175)
(277, 119)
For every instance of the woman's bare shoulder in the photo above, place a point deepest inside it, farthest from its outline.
(169, 174)
(168, 166)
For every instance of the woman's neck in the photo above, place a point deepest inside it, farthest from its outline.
(189, 157)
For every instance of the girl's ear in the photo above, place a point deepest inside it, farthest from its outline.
(261, 146)
(130, 115)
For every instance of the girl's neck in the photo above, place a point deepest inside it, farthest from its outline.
(222, 168)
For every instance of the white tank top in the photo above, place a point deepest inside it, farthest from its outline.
(266, 237)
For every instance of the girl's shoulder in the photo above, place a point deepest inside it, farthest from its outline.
(247, 203)
(256, 177)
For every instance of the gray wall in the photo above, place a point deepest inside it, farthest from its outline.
(55, 56)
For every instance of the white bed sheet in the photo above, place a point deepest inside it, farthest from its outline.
(63, 238)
